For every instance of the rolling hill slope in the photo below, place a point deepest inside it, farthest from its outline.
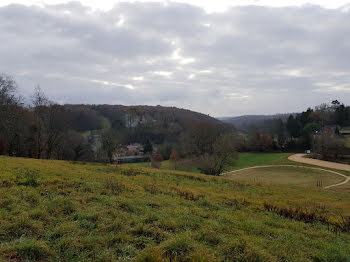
(72, 211)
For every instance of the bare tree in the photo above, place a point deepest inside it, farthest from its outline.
(8, 88)
(199, 139)
(55, 125)
(40, 103)
(328, 145)
(9, 112)
(74, 147)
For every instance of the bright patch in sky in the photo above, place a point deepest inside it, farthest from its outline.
(192, 76)
(130, 86)
(182, 60)
(236, 96)
(163, 73)
(138, 78)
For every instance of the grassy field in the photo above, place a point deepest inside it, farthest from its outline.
(257, 159)
(244, 160)
(63, 211)
(298, 176)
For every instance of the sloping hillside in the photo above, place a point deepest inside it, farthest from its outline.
(58, 210)
(157, 123)
(123, 115)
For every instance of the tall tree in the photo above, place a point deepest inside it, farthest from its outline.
(148, 148)
(55, 125)
(293, 126)
(109, 142)
(40, 103)
(9, 112)
(281, 134)
(341, 115)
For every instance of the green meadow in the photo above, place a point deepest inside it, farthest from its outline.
(298, 176)
(257, 159)
(243, 160)
(67, 211)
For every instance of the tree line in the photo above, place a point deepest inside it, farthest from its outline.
(316, 129)
(41, 128)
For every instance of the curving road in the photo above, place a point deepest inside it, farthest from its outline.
(301, 159)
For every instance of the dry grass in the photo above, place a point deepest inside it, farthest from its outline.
(62, 211)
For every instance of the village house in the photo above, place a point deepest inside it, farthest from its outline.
(130, 153)
(130, 150)
(345, 132)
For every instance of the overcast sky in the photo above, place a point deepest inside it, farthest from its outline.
(223, 58)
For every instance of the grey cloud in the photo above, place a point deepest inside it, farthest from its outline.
(246, 60)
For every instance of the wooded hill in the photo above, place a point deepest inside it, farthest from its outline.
(45, 129)
(158, 123)
(128, 116)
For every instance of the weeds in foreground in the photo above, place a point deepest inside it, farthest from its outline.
(114, 186)
(310, 216)
(28, 178)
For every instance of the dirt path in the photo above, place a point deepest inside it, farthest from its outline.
(301, 159)
(347, 179)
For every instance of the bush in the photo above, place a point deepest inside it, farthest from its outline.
(224, 154)
(174, 158)
(156, 161)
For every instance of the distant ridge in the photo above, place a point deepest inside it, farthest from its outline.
(172, 113)
(247, 120)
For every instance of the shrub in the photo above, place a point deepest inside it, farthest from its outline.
(156, 161)
(224, 155)
(174, 158)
